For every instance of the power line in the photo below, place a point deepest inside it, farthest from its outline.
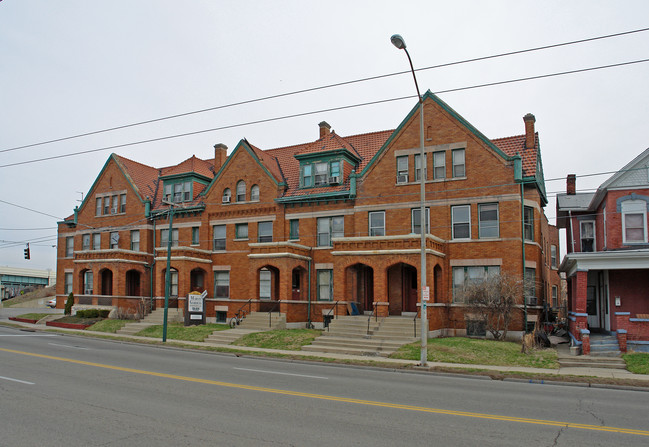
(296, 115)
(327, 86)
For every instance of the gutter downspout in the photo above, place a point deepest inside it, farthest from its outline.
(518, 177)
(309, 324)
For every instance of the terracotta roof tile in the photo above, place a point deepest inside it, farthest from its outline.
(516, 145)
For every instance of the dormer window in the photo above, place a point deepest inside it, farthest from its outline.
(321, 173)
(178, 191)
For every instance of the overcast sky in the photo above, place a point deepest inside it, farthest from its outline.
(70, 67)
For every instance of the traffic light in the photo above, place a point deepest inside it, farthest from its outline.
(27, 252)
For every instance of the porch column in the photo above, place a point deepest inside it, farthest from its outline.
(579, 298)
(381, 291)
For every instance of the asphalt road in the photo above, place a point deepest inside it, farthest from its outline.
(61, 390)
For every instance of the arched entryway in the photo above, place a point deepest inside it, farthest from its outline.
(402, 289)
(359, 286)
(132, 283)
(268, 281)
(106, 282)
(437, 283)
(197, 280)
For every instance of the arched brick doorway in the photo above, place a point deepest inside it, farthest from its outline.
(402, 289)
(106, 282)
(132, 283)
(359, 286)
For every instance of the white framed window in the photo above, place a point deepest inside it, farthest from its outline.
(69, 247)
(634, 221)
(114, 240)
(241, 191)
(459, 166)
(555, 296)
(219, 237)
(334, 172)
(265, 232)
(461, 221)
(164, 237)
(196, 235)
(528, 223)
(96, 241)
(68, 283)
(122, 203)
(115, 208)
(467, 275)
(265, 280)
(135, 240)
(439, 165)
(553, 256)
(325, 285)
(227, 196)
(415, 220)
(85, 242)
(418, 168)
(173, 282)
(488, 224)
(587, 235)
(254, 193)
(529, 286)
(377, 223)
(98, 206)
(321, 174)
(402, 169)
(168, 188)
(241, 231)
(106, 205)
(221, 284)
(328, 228)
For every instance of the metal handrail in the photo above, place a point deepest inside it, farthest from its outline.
(335, 306)
(240, 314)
(370, 317)
(270, 316)
(414, 322)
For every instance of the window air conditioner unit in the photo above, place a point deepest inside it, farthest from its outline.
(226, 199)
(87, 292)
(403, 178)
(334, 180)
(113, 210)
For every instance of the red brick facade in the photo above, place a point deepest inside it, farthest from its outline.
(356, 239)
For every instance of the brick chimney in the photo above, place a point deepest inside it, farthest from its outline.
(325, 128)
(530, 138)
(220, 154)
(571, 184)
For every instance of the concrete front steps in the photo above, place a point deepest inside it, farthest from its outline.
(604, 346)
(154, 318)
(586, 361)
(253, 322)
(349, 335)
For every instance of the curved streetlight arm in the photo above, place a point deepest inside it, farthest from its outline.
(412, 69)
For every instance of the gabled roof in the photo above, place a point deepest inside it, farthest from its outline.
(515, 145)
(191, 165)
(143, 178)
(328, 143)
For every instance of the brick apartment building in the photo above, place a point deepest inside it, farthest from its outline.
(305, 229)
(607, 264)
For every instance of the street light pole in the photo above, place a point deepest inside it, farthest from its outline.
(398, 42)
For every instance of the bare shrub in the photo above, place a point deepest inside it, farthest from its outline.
(493, 300)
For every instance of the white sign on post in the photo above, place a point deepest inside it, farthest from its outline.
(195, 302)
(426, 296)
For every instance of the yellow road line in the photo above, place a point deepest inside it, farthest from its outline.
(494, 417)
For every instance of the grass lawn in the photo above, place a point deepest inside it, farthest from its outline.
(33, 316)
(288, 339)
(637, 362)
(479, 352)
(108, 325)
(177, 331)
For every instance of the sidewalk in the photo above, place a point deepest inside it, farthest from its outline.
(574, 371)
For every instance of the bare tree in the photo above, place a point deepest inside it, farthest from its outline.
(493, 301)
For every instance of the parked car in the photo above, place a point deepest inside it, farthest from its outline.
(51, 303)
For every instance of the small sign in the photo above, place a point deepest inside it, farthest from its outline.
(195, 302)
(196, 317)
(195, 308)
(426, 296)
